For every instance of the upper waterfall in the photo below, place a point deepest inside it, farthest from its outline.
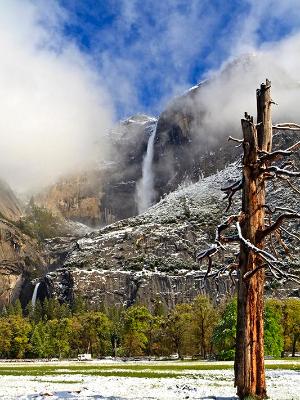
(145, 186)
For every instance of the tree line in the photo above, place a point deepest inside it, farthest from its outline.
(197, 329)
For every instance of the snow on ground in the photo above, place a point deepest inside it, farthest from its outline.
(193, 384)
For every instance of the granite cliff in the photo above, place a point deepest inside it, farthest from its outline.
(20, 255)
(153, 256)
(129, 258)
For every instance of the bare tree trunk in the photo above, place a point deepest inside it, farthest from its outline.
(249, 357)
(295, 339)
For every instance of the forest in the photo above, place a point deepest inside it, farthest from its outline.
(199, 329)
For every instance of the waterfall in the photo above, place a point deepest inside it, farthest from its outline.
(33, 300)
(145, 186)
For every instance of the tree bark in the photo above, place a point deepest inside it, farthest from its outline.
(249, 356)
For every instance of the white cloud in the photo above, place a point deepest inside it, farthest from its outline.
(53, 105)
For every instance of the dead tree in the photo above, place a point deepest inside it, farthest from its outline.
(251, 232)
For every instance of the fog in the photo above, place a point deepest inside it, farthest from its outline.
(53, 107)
(230, 91)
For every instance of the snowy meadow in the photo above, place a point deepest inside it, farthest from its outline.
(138, 380)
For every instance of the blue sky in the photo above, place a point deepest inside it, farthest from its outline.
(150, 50)
(70, 69)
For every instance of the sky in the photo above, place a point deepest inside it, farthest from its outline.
(150, 50)
(70, 69)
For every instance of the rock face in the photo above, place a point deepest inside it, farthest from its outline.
(138, 259)
(153, 255)
(147, 257)
(107, 193)
(20, 259)
(10, 207)
(76, 197)
(184, 149)
(190, 143)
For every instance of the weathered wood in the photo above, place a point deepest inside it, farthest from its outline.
(264, 120)
(249, 357)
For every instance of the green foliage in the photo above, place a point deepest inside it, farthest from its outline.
(40, 223)
(136, 322)
(224, 335)
(273, 334)
(20, 334)
(204, 320)
(51, 329)
(291, 325)
(179, 329)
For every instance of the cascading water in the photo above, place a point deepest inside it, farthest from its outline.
(145, 187)
(34, 296)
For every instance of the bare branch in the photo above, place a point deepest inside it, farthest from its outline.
(287, 126)
(277, 155)
(279, 239)
(240, 141)
(225, 225)
(219, 239)
(280, 171)
(291, 185)
(290, 234)
(284, 275)
(267, 257)
(264, 254)
(230, 192)
(269, 157)
(276, 224)
(276, 209)
(249, 274)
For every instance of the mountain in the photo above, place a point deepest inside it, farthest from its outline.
(10, 206)
(21, 257)
(129, 258)
(107, 192)
(153, 256)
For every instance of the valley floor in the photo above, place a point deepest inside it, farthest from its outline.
(138, 380)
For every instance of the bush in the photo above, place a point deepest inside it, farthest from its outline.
(40, 223)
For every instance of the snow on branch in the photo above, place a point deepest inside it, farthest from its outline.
(278, 154)
(270, 260)
(240, 141)
(219, 239)
(287, 126)
(281, 171)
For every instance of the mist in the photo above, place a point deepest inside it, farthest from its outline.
(230, 91)
(53, 105)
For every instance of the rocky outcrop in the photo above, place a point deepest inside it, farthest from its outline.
(76, 197)
(125, 288)
(154, 255)
(10, 206)
(20, 262)
(106, 193)
(20, 259)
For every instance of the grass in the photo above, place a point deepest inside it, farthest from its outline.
(171, 370)
(56, 381)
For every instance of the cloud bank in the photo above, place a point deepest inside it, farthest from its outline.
(152, 50)
(58, 94)
(53, 104)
